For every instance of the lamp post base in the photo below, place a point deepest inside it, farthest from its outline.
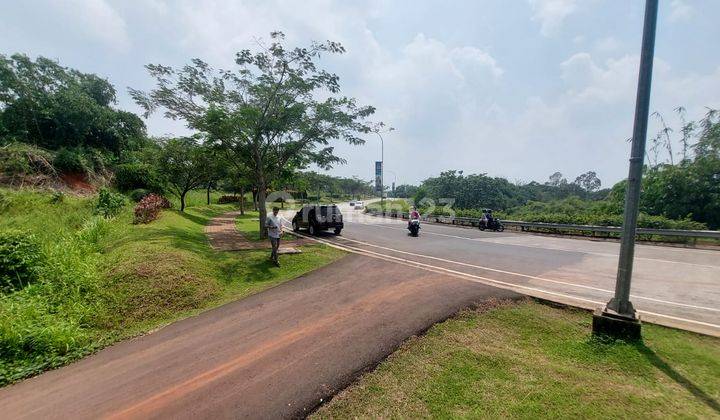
(608, 323)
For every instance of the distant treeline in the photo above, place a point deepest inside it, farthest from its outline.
(681, 190)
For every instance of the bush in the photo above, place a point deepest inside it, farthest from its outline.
(132, 176)
(72, 160)
(138, 194)
(109, 203)
(20, 260)
(224, 199)
(149, 208)
(24, 159)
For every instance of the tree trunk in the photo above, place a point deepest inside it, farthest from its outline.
(182, 201)
(242, 201)
(255, 194)
(209, 186)
(261, 207)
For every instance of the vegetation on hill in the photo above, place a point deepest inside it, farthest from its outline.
(80, 281)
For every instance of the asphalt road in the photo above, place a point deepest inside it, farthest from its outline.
(673, 286)
(276, 354)
(281, 352)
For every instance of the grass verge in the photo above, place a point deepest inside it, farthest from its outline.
(249, 226)
(106, 280)
(528, 360)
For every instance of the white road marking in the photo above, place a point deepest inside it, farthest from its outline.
(545, 279)
(519, 235)
(492, 282)
(601, 254)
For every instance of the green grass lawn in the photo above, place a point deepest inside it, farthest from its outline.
(106, 280)
(397, 204)
(528, 360)
(249, 225)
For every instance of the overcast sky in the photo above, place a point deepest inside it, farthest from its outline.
(513, 88)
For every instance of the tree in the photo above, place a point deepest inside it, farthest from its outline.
(708, 144)
(556, 180)
(405, 191)
(687, 129)
(276, 110)
(48, 105)
(184, 163)
(588, 181)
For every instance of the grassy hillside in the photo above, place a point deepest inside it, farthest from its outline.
(104, 280)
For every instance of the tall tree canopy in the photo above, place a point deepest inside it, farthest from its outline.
(185, 165)
(276, 110)
(48, 105)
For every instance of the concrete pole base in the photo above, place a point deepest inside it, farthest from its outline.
(608, 323)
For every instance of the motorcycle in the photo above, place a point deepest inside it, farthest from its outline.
(493, 224)
(414, 227)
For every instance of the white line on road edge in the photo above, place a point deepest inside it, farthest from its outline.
(601, 254)
(531, 276)
(654, 317)
(519, 234)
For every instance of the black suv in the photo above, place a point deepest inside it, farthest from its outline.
(317, 218)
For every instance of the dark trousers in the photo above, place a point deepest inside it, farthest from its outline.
(275, 243)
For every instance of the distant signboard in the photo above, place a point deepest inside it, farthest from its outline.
(378, 176)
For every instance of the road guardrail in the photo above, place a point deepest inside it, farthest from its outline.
(558, 227)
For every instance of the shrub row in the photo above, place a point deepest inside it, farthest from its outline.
(224, 199)
(132, 176)
(149, 208)
(644, 220)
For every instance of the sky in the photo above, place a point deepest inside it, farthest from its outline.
(512, 88)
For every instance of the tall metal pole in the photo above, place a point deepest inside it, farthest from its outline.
(620, 303)
(382, 171)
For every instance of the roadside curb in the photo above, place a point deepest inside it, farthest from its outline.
(558, 298)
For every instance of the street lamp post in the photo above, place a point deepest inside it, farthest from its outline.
(619, 318)
(382, 163)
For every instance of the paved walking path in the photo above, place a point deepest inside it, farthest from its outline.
(224, 236)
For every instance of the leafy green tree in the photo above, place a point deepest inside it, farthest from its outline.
(237, 182)
(45, 104)
(184, 164)
(708, 144)
(276, 110)
(405, 191)
(556, 179)
(588, 181)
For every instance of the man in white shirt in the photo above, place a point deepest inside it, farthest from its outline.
(273, 223)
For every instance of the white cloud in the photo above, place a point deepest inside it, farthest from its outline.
(427, 80)
(681, 11)
(97, 19)
(449, 99)
(608, 44)
(551, 14)
(613, 81)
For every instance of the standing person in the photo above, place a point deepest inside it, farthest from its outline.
(273, 223)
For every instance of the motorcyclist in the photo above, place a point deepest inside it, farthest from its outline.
(489, 217)
(484, 218)
(414, 215)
